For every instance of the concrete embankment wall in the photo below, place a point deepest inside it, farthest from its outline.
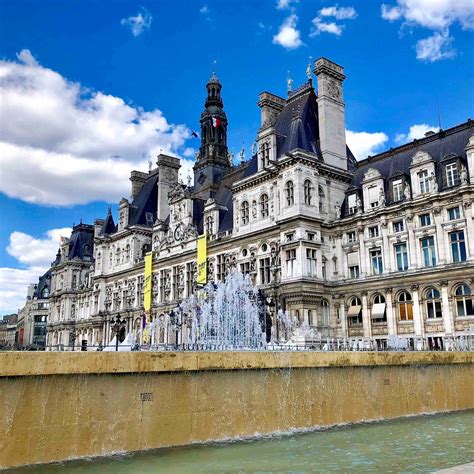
(57, 406)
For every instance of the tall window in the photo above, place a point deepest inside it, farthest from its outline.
(424, 181)
(290, 193)
(190, 278)
(452, 175)
(311, 261)
(209, 225)
(307, 192)
(221, 267)
(355, 312)
(353, 264)
(464, 305)
(244, 210)
(290, 262)
(454, 213)
(397, 190)
(162, 286)
(175, 282)
(428, 251)
(374, 231)
(321, 198)
(458, 246)
(376, 261)
(398, 226)
(264, 205)
(425, 220)
(405, 306)
(351, 236)
(351, 204)
(401, 256)
(433, 303)
(265, 154)
(265, 274)
(324, 313)
(374, 196)
(245, 268)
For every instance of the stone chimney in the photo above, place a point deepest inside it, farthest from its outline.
(270, 106)
(168, 167)
(138, 180)
(332, 132)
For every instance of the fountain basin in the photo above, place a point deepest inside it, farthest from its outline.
(58, 406)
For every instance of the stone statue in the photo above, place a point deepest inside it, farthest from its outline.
(242, 155)
(230, 157)
(308, 71)
(358, 204)
(211, 149)
(381, 198)
(337, 209)
(407, 192)
(254, 148)
(434, 183)
(289, 82)
(463, 175)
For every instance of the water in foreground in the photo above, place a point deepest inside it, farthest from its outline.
(418, 444)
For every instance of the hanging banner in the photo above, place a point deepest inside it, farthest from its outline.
(202, 260)
(147, 287)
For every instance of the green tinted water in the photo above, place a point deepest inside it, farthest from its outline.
(418, 444)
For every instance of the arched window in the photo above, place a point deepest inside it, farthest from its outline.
(405, 306)
(379, 313)
(244, 210)
(433, 303)
(209, 225)
(310, 317)
(264, 205)
(307, 192)
(355, 312)
(290, 193)
(463, 301)
(127, 253)
(117, 256)
(324, 313)
(321, 198)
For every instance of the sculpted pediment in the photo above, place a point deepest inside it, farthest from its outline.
(421, 157)
(371, 174)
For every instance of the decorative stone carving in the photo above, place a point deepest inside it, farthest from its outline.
(372, 173)
(420, 157)
(407, 192)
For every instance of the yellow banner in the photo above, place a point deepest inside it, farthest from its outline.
(147, 287)
(202, 260)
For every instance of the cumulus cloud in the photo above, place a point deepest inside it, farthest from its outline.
(284, 4)
(415, 132)
(288, 35)
(364, 144)
(435, 48)
(139, 23)
(36, 255)
(437, 16)
(70, 145)
(322, 25)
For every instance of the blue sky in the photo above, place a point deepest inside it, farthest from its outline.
(91, 89)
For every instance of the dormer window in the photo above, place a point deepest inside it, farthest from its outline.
(397, 190)
(424, 181)
(265, 154)
(352, 204)
(452, 175)
(374, 196)
(244, 210)
(290, 193)
(307, 192)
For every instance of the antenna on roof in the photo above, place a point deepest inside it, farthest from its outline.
(439, 114)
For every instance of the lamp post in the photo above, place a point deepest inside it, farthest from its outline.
(118, 325)
(72, 337)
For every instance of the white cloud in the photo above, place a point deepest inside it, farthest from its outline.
(390, 13)
(435, 15)
(339, 13)
(415, 132)
(364, 144)
(283, 4)
(288, 36)
(321, 25)
(139, 23)
(37, 255)
(204, 9)
(71, 145)
(435, 48)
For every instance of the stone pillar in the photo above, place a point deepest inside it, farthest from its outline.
(387, 251)
(469, 230)
(342, 316)
(417, 315)
(412, 242)
(366, 317)
(362, 252)
(391, 318)
(448, 319)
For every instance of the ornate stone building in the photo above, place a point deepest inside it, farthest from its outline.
(379, 247)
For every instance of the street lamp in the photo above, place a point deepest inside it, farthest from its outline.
(118, 325)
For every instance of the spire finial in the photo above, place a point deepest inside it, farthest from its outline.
(289, 82)
(308, 70)
(214, 62)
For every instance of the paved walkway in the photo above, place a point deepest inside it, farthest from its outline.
(462, 469)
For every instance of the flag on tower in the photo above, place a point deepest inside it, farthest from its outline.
(194, 134)
(216, 122)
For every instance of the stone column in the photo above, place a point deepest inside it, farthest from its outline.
(469, 230)
(440, 242)
(386, 249)
(417, 316)
(448, 319)
(366, 317)
(362, 253)
(342, 316)
(412, 241)
(391, 318)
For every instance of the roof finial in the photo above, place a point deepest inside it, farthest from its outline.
(289, 82)
(308, 70)
(214, 67)
(242, 153)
